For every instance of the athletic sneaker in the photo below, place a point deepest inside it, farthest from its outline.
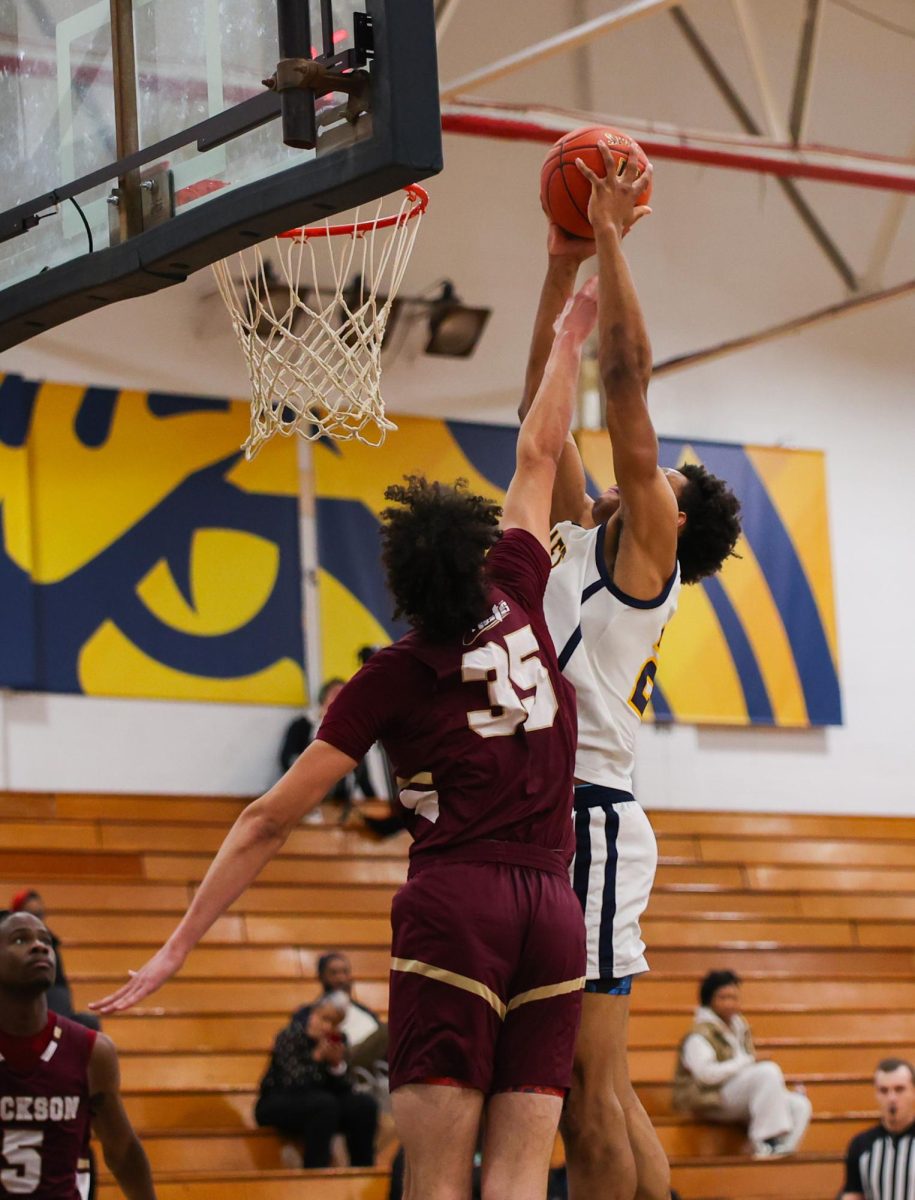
(763, 1149)
(790, 1142)
(771, 1148)
(291, 1156)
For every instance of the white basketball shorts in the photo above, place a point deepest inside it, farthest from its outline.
(613, 871)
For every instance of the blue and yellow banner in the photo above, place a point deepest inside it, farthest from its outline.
(140, 554)
(756, 645)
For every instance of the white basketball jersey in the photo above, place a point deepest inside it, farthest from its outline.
(607, 643)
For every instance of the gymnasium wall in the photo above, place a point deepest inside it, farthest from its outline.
(723, 254)
(140, 554)
(143, 560)
(845, 387)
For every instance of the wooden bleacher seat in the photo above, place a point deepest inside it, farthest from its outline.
(191, 1110)
(714, 823)
(808, 852)
(236, 1149)
(177, 1071)
(803, 1175)
(278, 1185)
(816, 913)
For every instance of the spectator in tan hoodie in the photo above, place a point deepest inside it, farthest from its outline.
(719, 1077)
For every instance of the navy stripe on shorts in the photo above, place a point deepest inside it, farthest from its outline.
(596, 831)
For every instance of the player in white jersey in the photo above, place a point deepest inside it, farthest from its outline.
(608, 644)
(619, 562)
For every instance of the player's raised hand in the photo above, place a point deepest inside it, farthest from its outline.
(615, 198)
(161, 967)
(579, 316)
(560, 244)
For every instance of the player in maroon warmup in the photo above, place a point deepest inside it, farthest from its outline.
(480, 726)
(56, 1078)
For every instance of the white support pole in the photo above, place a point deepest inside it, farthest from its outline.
(308, 549)
(583, 76)
(803, 84)
(560, 44)
(444, 17)
(5, 763)
(775, 126)
(886, 235)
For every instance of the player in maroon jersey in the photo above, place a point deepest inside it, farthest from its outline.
(480, 727)
(56, 1079)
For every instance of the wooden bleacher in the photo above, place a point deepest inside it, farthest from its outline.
(816, 913)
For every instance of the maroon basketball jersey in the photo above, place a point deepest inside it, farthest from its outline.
(44, 1118)
(480, 732)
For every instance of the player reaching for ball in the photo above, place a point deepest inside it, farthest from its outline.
(618, 563)
(488, 943)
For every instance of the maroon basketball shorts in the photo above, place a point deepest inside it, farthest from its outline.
(486, 978)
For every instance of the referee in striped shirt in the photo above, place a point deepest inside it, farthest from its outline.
(880, 1164)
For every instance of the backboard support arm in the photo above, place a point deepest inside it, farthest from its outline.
(297, 106)
(128, 197)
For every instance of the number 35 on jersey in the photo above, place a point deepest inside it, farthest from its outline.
(520, 690)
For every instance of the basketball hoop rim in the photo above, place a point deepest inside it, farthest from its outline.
(420, 202)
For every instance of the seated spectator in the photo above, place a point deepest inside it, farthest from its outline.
(306, 1093)
(719, 1077)
(365, 1032)
(880, 1163)
(60, 998)
(300, 733)
(371, 776)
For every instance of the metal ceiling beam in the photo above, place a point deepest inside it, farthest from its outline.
(746, 23)
(737, 152)
(770, 333)
(583, 76)
(886, 235)
(806, 62)
(571, 39)
(734, 102)
(444, 13)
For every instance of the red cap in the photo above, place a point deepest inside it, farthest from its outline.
(17, 904)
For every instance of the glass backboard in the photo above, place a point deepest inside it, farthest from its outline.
(193, 65)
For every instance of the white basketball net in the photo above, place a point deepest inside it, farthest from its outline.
(311, 325)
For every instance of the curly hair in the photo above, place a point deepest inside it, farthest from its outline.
(712, 524)
(434, 545)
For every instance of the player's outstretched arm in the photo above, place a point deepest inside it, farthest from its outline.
(544, 432)
(565, 254)
(650, 523)
(257, 835)
(121, 1147)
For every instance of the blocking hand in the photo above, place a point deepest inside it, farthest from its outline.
(579, 316)
(615, 199)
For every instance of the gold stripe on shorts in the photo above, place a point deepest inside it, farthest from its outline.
(421, 777)
(544, 993)
(413, 966)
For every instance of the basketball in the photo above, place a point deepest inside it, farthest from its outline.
(564, 191)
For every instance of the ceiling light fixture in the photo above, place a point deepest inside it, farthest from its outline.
(455, 328)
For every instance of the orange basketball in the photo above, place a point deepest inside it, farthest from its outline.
(564, 191)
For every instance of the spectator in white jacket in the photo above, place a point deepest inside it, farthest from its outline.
(719, 1077)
